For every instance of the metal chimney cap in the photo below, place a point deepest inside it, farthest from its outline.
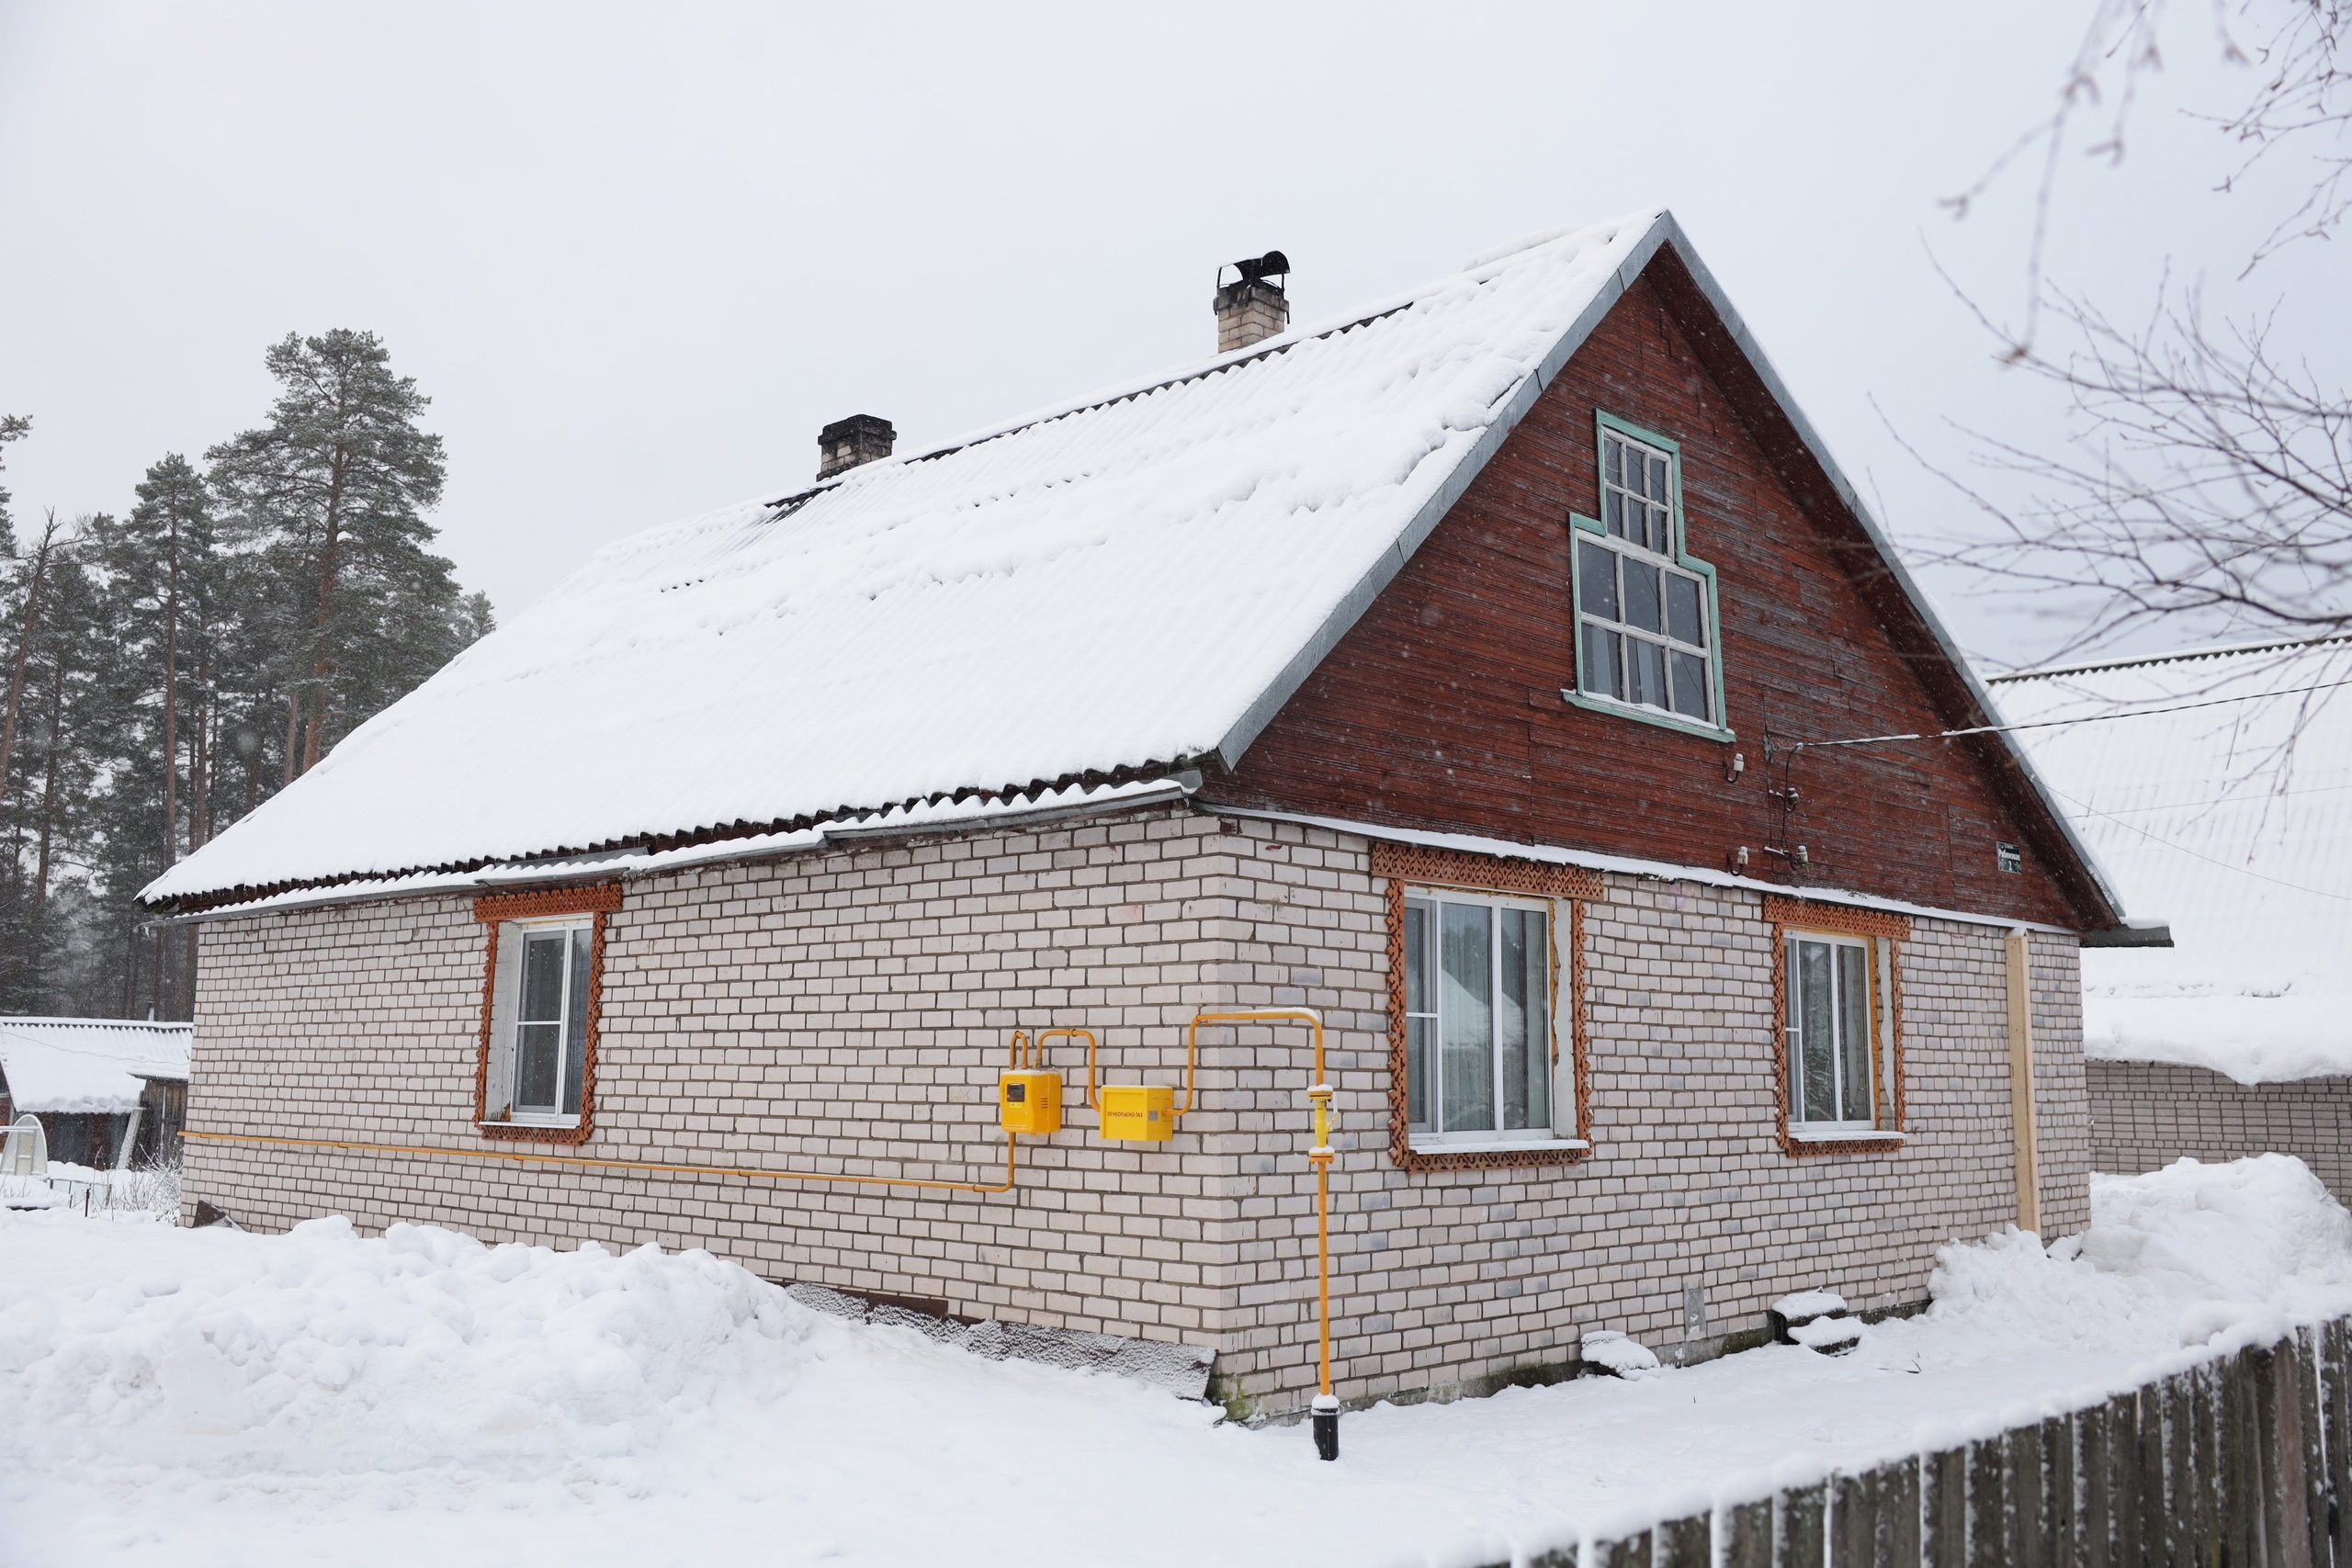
(1257, 270)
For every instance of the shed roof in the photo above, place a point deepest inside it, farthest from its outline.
(2217, 784)
(1123, 586)
(86, 1065)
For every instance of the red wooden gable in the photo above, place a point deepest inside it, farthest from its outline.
(1442, 707)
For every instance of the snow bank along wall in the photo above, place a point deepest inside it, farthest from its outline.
(848, 1011)
(2144, 1115)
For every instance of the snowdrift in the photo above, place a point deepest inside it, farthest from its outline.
(425, 1348)
(173, 1396)
(2173, 1258)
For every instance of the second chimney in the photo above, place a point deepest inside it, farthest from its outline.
(846, 443)
(1252, 308)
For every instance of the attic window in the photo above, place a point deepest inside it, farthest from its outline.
(1645, 613)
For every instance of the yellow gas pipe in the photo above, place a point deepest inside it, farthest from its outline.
(1319, 1095)
(752, 1172)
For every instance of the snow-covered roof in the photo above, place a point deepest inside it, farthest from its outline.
(1122, 586)
(2230, 812)
(86, 1065)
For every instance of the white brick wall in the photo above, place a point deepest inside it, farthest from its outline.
(848, 1011)
(2147, 1114)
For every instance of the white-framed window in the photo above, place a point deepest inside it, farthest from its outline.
(1643, 632)
(1837, 1035)
(538, 1043)
(1480, 1055)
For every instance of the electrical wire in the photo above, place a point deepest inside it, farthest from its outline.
(2184, 849)
(2055, 723)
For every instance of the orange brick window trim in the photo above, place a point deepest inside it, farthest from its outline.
(1482, 874)
(1400, 1130)
(599, 901)
(1807, 1149)
(603, 898)
(1839, 920)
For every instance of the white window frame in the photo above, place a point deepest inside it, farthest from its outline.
(499, 1108)
(1427, 1136)
(1604, 645)
(1878, 1018)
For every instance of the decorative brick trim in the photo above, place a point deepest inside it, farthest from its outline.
(599, 901)
(1483, 873)
(1496, 876)
(603, 898)
(1840, 919)
(1805, 1149)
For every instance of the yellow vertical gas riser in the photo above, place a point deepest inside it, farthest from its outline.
(1030, 1102)
(1138, 1112)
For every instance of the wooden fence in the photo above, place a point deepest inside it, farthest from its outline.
(2239, 1463)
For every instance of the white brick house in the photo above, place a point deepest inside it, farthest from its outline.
(1313, 678)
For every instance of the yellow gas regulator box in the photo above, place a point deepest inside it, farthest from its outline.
(1030, 1102)
(1138, 1112)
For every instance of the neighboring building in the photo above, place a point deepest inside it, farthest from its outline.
(83, 1077)
(162, 1115)
(2227, 807)
(1431, 667)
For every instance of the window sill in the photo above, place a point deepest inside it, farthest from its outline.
(1659, 716)
(1843, 1135)
(557, 1123)
(1497, 1146)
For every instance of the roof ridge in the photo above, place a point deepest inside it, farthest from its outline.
(1488, 262)
(2180, 655)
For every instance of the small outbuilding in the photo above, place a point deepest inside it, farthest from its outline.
(86, 1078)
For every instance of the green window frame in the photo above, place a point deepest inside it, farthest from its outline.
(1647, 613)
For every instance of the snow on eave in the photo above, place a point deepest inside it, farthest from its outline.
(630, 864)
(710, 842)
(1630, 865)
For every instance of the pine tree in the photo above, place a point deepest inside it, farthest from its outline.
(161, 575)
(332, 493)
(13, 427)
(167, 670)
(67, 729)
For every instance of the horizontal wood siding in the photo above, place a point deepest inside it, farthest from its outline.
(1442, 707)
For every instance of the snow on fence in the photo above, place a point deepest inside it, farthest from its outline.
(2244, 1462)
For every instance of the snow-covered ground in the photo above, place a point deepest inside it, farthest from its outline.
(203, 1398)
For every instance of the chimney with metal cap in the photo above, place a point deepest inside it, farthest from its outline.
(1252, 308)
(846, 443)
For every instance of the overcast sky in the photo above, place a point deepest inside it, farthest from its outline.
(637, 256)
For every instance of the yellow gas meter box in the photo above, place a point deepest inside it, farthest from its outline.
(1030, 1102)
(1138, 1112)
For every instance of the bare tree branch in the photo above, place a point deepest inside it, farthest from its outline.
(2206, 474)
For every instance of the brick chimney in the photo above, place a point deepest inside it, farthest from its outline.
(1253, 307)
(846, 443)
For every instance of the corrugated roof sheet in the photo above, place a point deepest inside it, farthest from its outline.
(2232, 819)
(86, 1065)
